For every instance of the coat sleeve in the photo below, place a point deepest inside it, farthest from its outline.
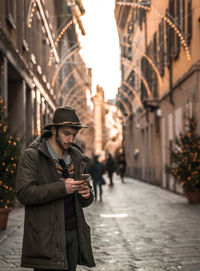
(87, 169)
(28, 189)
(86, 202)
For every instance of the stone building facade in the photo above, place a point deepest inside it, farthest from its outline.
(160, 65)
(39, 48)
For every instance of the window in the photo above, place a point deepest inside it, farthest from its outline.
(167, 42)
(171, 31)
(177, 20)
(143, 68)
(189, 20)
(25, 28)
(155, 47)
(11, 13)
(161, 47)
(182, 20)
(142, 16)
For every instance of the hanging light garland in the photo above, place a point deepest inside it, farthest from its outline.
(77, 92)
(128, 98)
(31, 12)
(61, 65)
(149, 92)
(124, 105)
(134, 92)
(71, 90)
(148, 59)
(79, 98)
(68, 95)
(60, 35)
(65, 80)
(166, 19)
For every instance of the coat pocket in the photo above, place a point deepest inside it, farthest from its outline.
(38, 242)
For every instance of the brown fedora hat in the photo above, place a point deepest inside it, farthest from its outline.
(65, 116)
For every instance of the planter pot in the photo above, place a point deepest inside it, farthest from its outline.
(4, 218)
(193, 196)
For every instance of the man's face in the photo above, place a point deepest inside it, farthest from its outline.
(65, 136)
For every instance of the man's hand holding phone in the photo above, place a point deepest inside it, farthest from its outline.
(71, 185)
(81, 185)
(84, 190)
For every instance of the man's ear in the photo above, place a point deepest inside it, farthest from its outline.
(53, 130)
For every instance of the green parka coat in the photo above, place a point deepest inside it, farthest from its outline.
(38, 187)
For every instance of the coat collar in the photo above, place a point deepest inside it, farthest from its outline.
(77, 156)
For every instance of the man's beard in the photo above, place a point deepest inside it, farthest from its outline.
(59, 143)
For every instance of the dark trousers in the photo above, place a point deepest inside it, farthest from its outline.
(72, 251)
(110, 175)
(95, 185)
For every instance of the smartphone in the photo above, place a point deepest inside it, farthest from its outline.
(85, 176)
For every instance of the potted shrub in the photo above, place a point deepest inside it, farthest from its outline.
(185, 167)
(9, 156)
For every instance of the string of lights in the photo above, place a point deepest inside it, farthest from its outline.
(124, 105)
(31, 12)
(166, 19)
(71, 89)
(78, 99)
(134, 92)
(60, 35)
(77, 92)
(61, 65)
(128, 98)
(141, 77)
(65, 80)
(148, 59)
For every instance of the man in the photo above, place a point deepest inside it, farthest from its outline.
(110, 167)
(49, 184)
(97, 169)
(121, 167)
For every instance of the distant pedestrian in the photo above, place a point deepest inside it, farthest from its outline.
(110, 168)
(50, 184)
(121, 167)
(97, 170)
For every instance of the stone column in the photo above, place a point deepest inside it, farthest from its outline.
(47, 112)
(22, 109)
(43, 112)
(38, 112)
(30, 115)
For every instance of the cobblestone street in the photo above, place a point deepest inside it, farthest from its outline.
(136, 227)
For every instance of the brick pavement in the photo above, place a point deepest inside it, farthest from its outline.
(137, 227)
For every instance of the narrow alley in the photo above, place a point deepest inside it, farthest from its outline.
(117, 83)
(137, 227)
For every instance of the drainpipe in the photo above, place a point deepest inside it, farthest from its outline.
(170, 70)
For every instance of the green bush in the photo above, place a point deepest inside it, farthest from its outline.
(185, 167)
(9, 156)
